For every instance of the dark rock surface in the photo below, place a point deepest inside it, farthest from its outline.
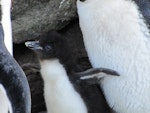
(31, 18)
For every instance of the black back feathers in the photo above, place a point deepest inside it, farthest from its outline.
(144, 7)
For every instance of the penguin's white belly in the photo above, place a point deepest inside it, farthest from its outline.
(117, 38)
(60, 95)
(130, 92)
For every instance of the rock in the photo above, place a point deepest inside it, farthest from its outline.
(32, 18)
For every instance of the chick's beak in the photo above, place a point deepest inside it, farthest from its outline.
(33, 45)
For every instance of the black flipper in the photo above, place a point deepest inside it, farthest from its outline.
(93, 75)
(90, 90)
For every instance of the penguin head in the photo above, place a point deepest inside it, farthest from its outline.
(54, 46)
(50, 46)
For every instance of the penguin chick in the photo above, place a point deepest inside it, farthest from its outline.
(116, 36)
(59, 87)
(60, 95)
(14, 88)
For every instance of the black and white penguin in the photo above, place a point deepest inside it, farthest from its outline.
(116, 36)
(14, 89)
(57, 68)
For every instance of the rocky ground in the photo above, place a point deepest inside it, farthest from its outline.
(33, 18)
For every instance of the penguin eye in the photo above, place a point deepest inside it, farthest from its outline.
(82, 0)
(48, 47)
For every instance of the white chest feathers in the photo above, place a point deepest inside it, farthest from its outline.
(60, 95)
(5, 104)
(116, 37)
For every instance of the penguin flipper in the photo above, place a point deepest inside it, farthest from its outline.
(93, 75)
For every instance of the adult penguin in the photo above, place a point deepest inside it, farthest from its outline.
(14, 89)
(116, 36)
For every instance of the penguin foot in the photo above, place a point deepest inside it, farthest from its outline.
(93, 75)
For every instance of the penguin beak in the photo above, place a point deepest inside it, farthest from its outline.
(33, 45)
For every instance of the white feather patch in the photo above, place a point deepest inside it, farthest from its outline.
(60, 95)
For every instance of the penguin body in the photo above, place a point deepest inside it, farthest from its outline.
(14, 88)
(63, 94)
(60, 95)
(14, 85)
(116, 36)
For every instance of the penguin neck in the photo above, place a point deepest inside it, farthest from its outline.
(70, 65)
(53, 70)
(58, 89)
(6, 23)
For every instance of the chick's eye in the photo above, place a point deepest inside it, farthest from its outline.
(48, 47)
